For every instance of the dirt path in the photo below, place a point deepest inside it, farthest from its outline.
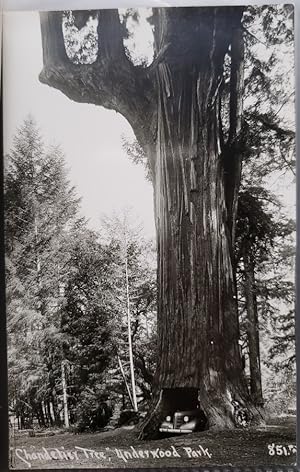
(120, 448)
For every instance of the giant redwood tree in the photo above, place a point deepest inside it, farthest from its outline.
(176, 110)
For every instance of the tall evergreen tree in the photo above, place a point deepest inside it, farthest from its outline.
(89, 324)
(40, 207)
(263, 281)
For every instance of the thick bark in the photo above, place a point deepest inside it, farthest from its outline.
(173, 107)
(197, 312)
(232, 149)
(252, 331)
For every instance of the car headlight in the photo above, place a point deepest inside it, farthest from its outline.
(185, 419)
(168, 418)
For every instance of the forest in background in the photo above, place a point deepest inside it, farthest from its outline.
(70, 290)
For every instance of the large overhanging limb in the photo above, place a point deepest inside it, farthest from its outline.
(112, 81)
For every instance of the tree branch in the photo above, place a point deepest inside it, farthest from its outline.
(269, 125)
(112, 81)
(253, 36)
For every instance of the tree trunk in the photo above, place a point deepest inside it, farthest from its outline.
(54, 408)
(49, 414)
(174, 109)
(65, 395)
(128, 312)
(197, 310)
(125, 382)
(41, 415)
(252, 331)
(45, 414)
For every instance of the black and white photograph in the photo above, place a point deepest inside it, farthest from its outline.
(150, 236)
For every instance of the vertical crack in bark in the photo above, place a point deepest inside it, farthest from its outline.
(232, 153)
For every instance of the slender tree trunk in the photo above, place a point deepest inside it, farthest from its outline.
(132, 374)
(125, 381)
(252, 331)
(65, 395)
(45, 414)
(49, 413)
(37, 414)
(41, 415)
(54, 408)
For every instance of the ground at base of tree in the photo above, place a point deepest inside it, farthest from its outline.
(121, 448)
